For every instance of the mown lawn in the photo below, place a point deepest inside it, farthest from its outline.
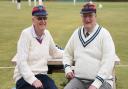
(63, 18)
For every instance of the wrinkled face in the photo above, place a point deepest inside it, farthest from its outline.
(89, 20)
(39, 22)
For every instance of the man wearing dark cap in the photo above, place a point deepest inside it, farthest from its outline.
(92, 48)
(34, 46)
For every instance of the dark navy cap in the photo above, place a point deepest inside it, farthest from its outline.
(88, 8)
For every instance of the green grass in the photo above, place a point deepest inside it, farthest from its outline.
(122, 81)
(63, 19)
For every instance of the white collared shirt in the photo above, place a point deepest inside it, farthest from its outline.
(90, 32)
(35, 35)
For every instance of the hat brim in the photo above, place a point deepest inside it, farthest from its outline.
(40, 14)
(85, 12)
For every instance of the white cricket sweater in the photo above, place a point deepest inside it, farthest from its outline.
(32, 56)
(96, 59)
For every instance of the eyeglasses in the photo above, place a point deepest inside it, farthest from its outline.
(88, 15)
(41, 18)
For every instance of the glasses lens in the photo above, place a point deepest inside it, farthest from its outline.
(42, 18)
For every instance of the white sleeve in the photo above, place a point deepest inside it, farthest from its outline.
(53, 50)
(69, 55)
(107, 61)
(22, 57)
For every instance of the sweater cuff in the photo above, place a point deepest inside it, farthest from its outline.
(97, 83)
(30, 80)
(68, 69)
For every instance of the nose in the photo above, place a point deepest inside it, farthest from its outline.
(43, 21)
(87, 18)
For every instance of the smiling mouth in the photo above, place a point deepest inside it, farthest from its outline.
(87, 22)
(41, 24)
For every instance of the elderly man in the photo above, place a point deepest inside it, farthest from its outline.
(92, 48)
(34, 46)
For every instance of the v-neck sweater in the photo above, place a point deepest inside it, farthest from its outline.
(32, 56)
(91, 59)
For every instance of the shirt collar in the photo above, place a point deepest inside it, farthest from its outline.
(93, 30)
(35, 35)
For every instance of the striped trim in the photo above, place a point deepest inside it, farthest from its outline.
(89, 40)
(66, 65)
(101, 79)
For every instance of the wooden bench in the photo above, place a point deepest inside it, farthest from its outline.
(56, 65)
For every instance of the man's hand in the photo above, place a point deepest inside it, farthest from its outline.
(37, 84)
(70, 75)
(92, 87)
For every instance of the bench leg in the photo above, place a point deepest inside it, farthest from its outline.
(114, 81)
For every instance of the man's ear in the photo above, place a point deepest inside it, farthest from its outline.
(95, 15)
(33, 20)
